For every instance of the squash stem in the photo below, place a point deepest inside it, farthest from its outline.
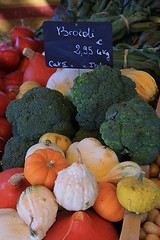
(79, 158)
(16, 178)
(51, 163)
(47, 142)
(140, 178)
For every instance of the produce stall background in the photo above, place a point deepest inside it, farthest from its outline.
(31, 13)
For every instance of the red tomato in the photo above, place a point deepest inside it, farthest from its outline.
(2, 144)
(25, 42)
(5, 129)
(21, 31)
(10, 192)
(1, 84)
(11, 91)
(2, 74)
(9, 59)
(5, 44)
(4, 101)
(13, 78)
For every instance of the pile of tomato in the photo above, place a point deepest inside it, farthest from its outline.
(12, 67)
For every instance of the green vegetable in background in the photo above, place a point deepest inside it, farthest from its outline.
(14, 152)
(95, 91)
(132, 130)
(41, 110)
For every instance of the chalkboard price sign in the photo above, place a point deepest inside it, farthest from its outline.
(77, 44)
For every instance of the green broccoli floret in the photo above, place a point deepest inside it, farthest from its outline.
(95, 91)
(14, 152)
(132, 130)
(82, 133)
(39, 111)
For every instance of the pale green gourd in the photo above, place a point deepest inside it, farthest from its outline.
(38, 209)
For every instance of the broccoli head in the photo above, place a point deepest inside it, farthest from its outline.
(82, 133)
(41, 110)
(95, 91)
(132, 130)
(14, 152)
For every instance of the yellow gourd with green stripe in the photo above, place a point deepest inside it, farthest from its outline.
(146, 86)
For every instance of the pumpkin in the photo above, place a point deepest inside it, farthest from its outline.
(99, 159)
(107, 204)
(24, 87)
(42, 167)
(12, 184)
(12, 226)
(38, 209)
(138, 194)
(86, 225)
(42, 145)
(146, 86)
(36, 69)
(75, 187)
(62, 141)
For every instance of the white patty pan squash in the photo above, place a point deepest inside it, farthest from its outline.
(99, 159)
(43, 145)
(75, 187)
(62, 80)
(12, 227)
(38, 209)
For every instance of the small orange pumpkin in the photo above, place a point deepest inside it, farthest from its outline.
(42, 167)
(107, 204)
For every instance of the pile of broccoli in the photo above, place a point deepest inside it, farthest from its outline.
(132, 130)
(95, 91)
(39, 111)
(15, 152)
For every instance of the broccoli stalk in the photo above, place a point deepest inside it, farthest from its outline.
(95, 91)
(132, 130)
(39, 111)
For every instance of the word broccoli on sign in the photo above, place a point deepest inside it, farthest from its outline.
(77, 44)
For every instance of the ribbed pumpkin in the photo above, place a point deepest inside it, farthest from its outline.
(42, 167)
(107, 204)
(146, 86)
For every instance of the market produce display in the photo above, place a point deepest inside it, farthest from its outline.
(74, 143)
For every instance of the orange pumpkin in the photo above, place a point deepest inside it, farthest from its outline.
(107, 204)
(42, 167)
(80, 225)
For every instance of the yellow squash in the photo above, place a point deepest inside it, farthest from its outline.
(146, 86)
